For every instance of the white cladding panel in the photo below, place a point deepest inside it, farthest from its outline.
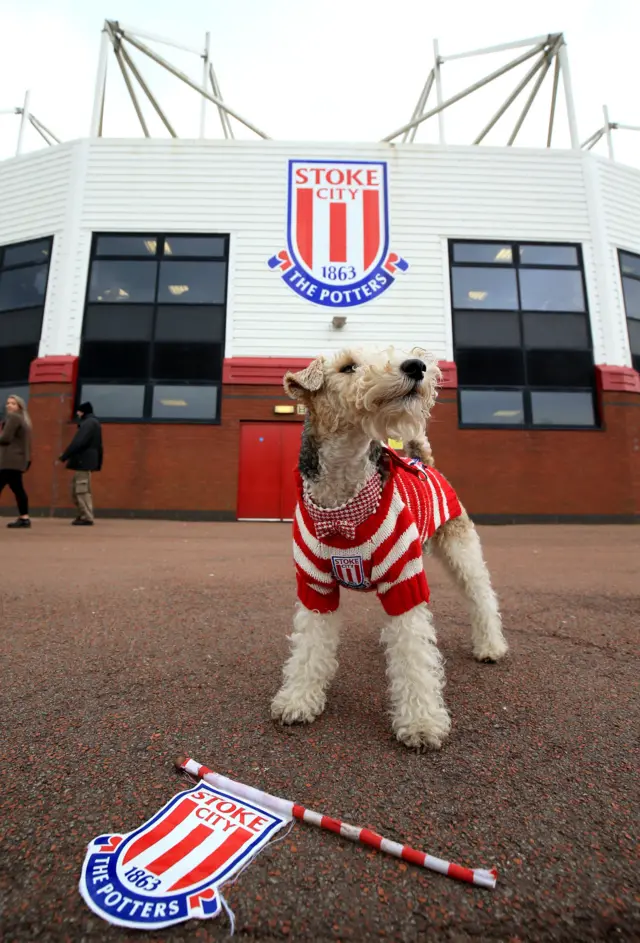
(240, 188)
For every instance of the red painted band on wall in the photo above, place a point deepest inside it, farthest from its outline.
(269, 371)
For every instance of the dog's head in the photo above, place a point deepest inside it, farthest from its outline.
(386, 394)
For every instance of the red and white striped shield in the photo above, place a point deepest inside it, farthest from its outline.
(171, 868)
(338, 216)
(349, 571)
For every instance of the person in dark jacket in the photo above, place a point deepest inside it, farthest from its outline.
(83, 455)
(15, 455)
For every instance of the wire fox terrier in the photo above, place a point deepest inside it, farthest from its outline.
(363, 519)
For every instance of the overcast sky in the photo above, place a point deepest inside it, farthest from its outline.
(342, 70)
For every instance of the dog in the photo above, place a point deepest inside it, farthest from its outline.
(363, 519)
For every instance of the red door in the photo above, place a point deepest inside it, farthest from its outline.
(268, 457)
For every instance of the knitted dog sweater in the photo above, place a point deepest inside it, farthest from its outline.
(375, 541)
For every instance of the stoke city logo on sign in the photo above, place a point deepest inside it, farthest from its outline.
(169, 869)
(338, 233)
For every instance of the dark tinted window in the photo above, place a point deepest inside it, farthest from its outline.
(184, 402)
(20, 327)
(553, 331)
(487, 329)
(118, 322)
(192, 282)
(112, 401)
(116, 360)
(121, 282)
(631, 289)
(490, 367)
(491, 407)
(630, 264)
(207, 246)
(542, 254)
(16, 361)
(560, 368)
(24, 272)
(23, 287)
(182, 323)
(562, 409)
(150, 326)
(24, 252)
(634, 335)
(143, 246)
(486, 288)
(537, 342)
(483, 252)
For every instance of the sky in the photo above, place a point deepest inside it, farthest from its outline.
(336, 70)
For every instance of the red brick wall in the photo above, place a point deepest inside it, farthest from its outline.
(194, 468)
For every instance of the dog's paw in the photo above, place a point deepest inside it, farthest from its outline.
(297, 709)
(490, 652)
(428, 733)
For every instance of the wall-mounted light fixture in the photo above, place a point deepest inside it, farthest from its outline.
(339, 321)
(284, 410)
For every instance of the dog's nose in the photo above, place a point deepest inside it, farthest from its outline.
(414, 368)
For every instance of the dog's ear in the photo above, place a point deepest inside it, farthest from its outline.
(309, 380)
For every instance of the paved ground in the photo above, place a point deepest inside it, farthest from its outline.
(129, 643)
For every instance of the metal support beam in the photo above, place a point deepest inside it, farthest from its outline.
(626, 127)
(101, 83)
(224, 117)
(145, 88)
(549, 57)
(42, 134)
(534, 41)
(143, 34)
(568, 93)
(437, 71)
(42, 129)
(538, 64)
(607, 129)
(205, 82)
(24, 118)
(420, 106)
(463, 94)
(593, 140)
(554, 98)
(185, 78)
(127, 81)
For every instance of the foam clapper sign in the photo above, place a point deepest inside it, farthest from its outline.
(172, 868)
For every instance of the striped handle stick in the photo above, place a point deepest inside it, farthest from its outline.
(363, 835)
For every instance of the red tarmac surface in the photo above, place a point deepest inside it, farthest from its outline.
(126, 644)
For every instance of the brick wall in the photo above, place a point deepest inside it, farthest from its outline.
(192, 470)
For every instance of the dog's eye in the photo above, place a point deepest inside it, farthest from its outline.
(348, 368)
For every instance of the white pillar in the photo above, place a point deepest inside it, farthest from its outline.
(439, 98)
(607, 128)
(24, 119)
(568, 94)
(101, 82)
(205, 86)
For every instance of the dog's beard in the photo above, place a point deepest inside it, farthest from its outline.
(396, 408)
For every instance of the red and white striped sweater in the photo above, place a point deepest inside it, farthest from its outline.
(375, 541)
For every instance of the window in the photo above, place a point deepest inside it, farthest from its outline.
(522, 336)
(24, 270)
(630, 272)
(153, 330)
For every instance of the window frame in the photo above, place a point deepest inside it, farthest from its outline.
(627, 317)
(150, 383)
(526, 389)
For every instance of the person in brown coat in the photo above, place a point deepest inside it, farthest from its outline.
(15, 455)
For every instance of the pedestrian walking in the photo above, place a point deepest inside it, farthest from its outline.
(15, 455)
(83, 456)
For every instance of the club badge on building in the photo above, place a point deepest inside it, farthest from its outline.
(170, 869)
(338, 233)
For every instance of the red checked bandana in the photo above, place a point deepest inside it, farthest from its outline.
(345, 519)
